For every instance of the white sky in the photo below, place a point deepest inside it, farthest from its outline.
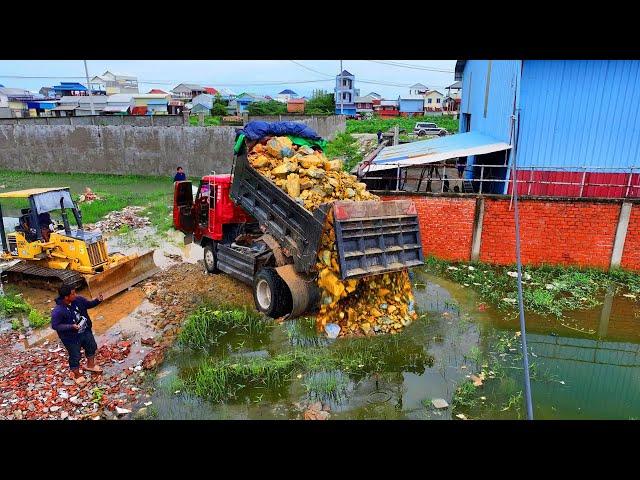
(237, 75)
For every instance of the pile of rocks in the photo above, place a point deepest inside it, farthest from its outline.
(380, 304)
(113, 221)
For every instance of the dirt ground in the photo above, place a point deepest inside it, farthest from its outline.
(133, 330)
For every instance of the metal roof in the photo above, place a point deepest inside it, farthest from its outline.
(457, 84)
(116, 108)
(436, 150)
(31, 191)
(419, 85)
(412, 97)
(287, 92)
(65, 107)
(366, 99)
(388, 103)
(120, 98)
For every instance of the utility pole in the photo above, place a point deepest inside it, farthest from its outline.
(86, 72)
(340, 90)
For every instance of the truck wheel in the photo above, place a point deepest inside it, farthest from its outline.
(210, 259)
(422, 133)
(442, 133)
(270, 294)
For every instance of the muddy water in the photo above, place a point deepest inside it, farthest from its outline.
(586, 366)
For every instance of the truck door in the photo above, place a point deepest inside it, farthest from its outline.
(183, 207)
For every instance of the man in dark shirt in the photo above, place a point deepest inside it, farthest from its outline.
(72, 322)
(379, 137)
(180, 175)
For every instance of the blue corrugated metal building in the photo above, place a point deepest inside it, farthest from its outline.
(412, 105)
(571, 122)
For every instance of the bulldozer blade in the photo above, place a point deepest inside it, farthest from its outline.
(122, 276)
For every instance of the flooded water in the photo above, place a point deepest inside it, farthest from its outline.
(593, 373)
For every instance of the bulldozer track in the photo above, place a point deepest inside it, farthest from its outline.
(42, 277)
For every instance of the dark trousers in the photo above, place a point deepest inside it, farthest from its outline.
(83, 340)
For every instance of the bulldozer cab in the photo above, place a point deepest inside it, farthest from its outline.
(36, 216)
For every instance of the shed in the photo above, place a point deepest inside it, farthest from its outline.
(295, 105)
(411, 105)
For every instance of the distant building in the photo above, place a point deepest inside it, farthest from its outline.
(387, 108)
(374, 95)
(114, 83)
(5, 111)
(345, 94)
(211, 91)
(157, 91)
(200, 108)
(285, 95)
(364, 105)
(47, 92)
(433, 101)
(244, 99)
(411, 105)
(187, 91)
(72, 89)
(118, 104)
(204, 99)
(454, 90)
(156, 104)
(418, 89)
(16, 101)
(295, 105)
(42, 108)
(84, 104)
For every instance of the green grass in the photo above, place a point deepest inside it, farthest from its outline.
(209, 323)
(37, 320)
(116, 192)
(12, 303)
(465, 395)
(209, 120)
(547, 290)
(326, 368)
(344, 146)
(375, 124)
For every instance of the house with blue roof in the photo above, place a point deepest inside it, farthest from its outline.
(285, 95)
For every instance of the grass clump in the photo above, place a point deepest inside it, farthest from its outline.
(375, 124)
(37, 320)
(326, 385)
(17, 325)
(12, 303)
(209, 323)
(547, 290)
(464, 395)
(345, 147)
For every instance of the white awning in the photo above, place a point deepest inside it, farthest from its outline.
(436, 150)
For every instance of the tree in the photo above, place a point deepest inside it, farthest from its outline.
(321, 103)
(219, 107)
(272, 107)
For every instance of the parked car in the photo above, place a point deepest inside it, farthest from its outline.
(424, 128)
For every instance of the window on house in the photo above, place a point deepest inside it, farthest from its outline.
(437, 100)
(429, 100)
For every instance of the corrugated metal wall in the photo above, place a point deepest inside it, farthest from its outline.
(499, 100)
(579, 113)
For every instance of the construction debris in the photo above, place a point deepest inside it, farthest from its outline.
(128, 216)
(88, 196)
(366, 306)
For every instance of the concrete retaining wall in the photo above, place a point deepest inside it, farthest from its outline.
(116, 149)
(325, 126)
(136, 120)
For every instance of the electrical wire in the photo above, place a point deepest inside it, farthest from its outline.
(411, 66)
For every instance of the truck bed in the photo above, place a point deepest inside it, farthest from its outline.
(372, 237)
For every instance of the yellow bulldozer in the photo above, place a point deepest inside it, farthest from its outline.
(52, 254)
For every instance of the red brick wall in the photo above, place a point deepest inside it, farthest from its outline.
(446, 225)
(631, 252)
(566, 233)
(563, 232)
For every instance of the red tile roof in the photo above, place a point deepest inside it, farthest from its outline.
(211, 90)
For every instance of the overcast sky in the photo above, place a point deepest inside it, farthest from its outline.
(266, 77)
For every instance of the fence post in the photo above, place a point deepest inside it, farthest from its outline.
(584, 175)
(398, 179)
(530, 182)
(481, 178)
(621, 234)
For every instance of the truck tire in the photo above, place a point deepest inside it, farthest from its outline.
(270, 294)
(442, 133)
(210, 258)
(421, 133)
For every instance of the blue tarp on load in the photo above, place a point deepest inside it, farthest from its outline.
(256, 130)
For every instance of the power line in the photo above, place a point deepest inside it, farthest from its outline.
(310, 69)
(411, 66)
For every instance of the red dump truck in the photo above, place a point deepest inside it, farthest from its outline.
(255, 232)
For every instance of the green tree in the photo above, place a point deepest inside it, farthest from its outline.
(272, 107)
(320, 103)
(219, 107)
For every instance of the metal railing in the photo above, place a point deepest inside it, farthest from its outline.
(606, 182)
